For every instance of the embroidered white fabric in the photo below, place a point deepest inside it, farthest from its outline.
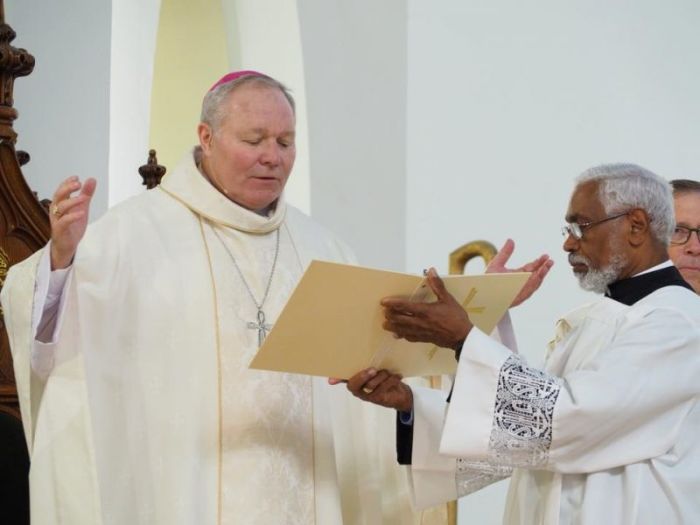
(522, 421)
(475, 475)
(267, 418)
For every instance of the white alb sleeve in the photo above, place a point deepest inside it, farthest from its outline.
(47, 313)
(609, 413)
(436, 477)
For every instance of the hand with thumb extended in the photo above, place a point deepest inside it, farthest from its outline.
(380, 387)
(539, 268)
(69, 218)
(442, 322)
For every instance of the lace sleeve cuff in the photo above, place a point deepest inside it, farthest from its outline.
(522, 421)
(475, 475)
(501, 409)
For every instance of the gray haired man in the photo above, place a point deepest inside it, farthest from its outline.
(131, 340)
(606, 431)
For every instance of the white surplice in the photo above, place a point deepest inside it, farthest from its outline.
(141, 409)
(608, 432)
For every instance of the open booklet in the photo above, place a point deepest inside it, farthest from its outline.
(332, 323)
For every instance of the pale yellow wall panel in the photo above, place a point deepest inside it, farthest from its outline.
(190, 56)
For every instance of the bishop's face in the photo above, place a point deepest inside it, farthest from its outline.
(251, 153)
(598, 258)
(687, 256)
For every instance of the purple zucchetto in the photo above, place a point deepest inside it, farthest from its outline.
(230, 77)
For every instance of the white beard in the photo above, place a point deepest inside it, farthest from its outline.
(597, 280)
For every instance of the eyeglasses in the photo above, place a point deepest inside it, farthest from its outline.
(681, 234)
(576, 229)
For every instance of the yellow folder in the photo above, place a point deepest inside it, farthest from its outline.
(332, 323)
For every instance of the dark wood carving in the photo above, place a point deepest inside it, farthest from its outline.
(23, 157)
(24, 222)
(151, 172)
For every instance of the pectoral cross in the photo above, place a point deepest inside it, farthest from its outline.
(260, 326)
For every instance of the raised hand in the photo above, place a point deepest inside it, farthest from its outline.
(69, 218)
(442, 322)
(539, 267)
(381, 388)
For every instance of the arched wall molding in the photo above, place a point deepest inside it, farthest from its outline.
(190, 55)
(132, 54)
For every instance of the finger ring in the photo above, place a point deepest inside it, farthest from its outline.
(367, 391)
(54, 210)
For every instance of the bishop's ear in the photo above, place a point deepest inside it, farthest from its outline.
(639, 226)
(205, 134)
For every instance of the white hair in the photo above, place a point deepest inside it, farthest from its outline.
(626, 186)
(213, 109)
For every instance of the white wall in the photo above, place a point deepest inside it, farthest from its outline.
(133, 43)
(85, 108)
(355, 69)
(508, 101)
(64, 104)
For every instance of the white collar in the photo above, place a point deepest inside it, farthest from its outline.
(186, 184)
(661, 266)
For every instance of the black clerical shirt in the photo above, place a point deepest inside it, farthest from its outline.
(629, 291)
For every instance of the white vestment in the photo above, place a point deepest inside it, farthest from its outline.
(608, 432)
(141, 409)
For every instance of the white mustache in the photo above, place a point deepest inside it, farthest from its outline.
(578, 259)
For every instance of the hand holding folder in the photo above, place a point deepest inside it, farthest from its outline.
(332, 323)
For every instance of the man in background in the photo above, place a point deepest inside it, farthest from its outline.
(684, 248)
